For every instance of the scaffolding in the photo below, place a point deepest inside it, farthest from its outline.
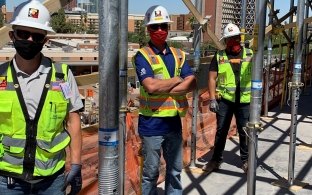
(109, 122)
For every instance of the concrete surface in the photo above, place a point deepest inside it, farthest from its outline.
(273, 158)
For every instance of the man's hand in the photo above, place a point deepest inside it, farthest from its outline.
(214, 106)
(73, 178)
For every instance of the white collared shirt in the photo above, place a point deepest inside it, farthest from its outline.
(32, 87)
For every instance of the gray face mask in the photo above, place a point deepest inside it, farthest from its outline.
(27, 49)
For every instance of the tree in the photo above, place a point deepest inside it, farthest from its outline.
(91, 29)
(191, 21)
(82, 27)
(175, 44)
(139, 36)
(59, 24)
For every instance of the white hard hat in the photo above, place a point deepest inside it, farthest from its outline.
(32, 14)
(230, 30)
(156, 14)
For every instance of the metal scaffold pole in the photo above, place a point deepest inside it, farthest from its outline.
(295, 88)
(196, 45)
(108, 96)
(243, 21)
(123, 66)
(288, 55)
(254, 124)
(268, 64)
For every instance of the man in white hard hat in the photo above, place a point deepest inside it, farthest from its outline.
(39, 103)
(230, 90)
(165, 78)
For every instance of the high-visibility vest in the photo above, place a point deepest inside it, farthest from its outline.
(33, 148)
(226, 86)
(162, 105)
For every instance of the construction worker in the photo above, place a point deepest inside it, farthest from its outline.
(229, 86)
(39, 103)
(165, 78)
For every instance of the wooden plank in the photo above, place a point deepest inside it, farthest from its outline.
(293, 24)
(194, 11)
(201, 20)
(4, 35)
(87, 79)
(52, 6)
(55, 5)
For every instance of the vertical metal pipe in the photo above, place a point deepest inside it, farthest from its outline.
(196, 45)
(256, 94)
(291, 18)
(306, 44)
(295, 88)
(268, 64)
(243, 20)
(288, 60)
(108, 96)
(123, 67)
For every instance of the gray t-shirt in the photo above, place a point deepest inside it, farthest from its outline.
(32, 86)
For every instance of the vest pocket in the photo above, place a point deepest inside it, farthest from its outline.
(13, 150)
(56, 115)
(158, 71)
(57, 144)
(6, 125)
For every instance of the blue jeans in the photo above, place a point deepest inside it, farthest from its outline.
(44, 187)
(171, 145)
(224, 117)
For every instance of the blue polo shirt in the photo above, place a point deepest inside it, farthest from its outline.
(157, 126)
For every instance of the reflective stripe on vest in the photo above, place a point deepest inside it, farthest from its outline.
(226, 78)
(51, 138)
(9, 160)
(162, 105)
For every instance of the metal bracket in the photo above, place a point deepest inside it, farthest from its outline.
(256, 126)
(293, 85)
(204, 23)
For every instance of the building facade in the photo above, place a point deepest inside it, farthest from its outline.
(134, 22)
(94, 7)
(223, 12)
(90, 6)
(72, 4)
(180, 22)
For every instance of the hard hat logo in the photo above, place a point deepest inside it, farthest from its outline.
(33, 13)
(230, 29)
(156, 14)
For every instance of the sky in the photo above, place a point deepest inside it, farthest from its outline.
(173, 6)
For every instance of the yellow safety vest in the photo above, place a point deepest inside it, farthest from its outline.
(33, 148)
(162, 105)
(226, 86)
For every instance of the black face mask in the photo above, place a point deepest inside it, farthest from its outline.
(27, 49)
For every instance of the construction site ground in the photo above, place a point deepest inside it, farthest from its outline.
(273, 159)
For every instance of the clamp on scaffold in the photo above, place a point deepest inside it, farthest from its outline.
(293, 85)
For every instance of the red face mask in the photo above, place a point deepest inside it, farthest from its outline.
(158, 37)
(233, 46)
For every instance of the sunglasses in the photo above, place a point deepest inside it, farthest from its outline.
(162, 26)
(36, 37)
